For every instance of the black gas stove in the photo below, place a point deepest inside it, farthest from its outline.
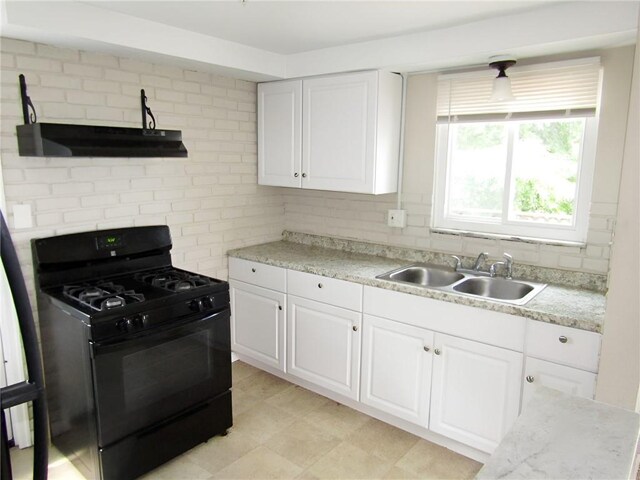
(136, 351)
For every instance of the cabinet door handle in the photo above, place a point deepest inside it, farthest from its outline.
(529, 378)
(253, 270)
(437, 351)
(279, 307)
(319, 285)
(296, 174)
(426, 349)
(354, 328)
(562, 339)
(304, 175)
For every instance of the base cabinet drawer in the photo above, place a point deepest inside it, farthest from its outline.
(560, 377)
(323, 345)
(564, 345)
(396, 368)
(258, 323)
(260, 274)
(475, 393)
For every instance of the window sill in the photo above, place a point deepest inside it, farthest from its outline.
(512, 238)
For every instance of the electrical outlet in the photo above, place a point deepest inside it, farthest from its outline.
(22, 216)
(397, 218)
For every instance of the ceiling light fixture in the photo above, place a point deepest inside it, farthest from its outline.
(501, 84)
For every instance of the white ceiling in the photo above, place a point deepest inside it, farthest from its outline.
(294, 27)
(261, 40)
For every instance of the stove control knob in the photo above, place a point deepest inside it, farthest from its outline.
(137, 321)
(121, 325)
(196, 305)
(207, 302)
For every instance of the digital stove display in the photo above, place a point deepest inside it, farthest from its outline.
(102, 296)
(109, 242)
(173, 280)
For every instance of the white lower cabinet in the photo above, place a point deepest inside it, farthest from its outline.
(475, 393)
(396, 368)
(323, 345)
(257, 329)
(560, 377)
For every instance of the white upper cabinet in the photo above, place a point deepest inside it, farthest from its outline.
(280, 133)
(338, 132)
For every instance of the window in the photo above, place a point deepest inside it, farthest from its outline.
(522, 169)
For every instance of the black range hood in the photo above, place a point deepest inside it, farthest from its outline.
(66, 140)
(63, 140)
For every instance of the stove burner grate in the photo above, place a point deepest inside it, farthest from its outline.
(173, 280)
(102, 296)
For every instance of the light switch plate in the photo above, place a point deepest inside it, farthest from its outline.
(22, 216)
(397, 218)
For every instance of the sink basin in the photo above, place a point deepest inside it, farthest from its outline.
(422, 275)
(499, 289)
(465, 282)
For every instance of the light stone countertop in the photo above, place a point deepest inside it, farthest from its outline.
(570, 307)
(559, 436)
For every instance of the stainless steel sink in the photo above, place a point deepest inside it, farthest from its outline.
(465, 282)
(421, 274)
(499, 289)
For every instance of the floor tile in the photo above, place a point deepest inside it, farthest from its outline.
(262, 421)
(336, 419)
(263, 385)
(219, 452)
(298, 401)
(260, 463)
(347, 461)
(431, 461)
(383, 440)
(302, 443)
(241, 370)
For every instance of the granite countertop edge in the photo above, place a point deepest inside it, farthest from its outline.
(569, 307)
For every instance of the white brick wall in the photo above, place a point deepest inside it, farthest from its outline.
(210, 200)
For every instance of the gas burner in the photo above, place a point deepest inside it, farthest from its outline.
(102, 296)
(173, 280)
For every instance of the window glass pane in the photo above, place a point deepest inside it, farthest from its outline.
(545, 170)
(477, 163)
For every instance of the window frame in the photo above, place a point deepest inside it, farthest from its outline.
(573, 234)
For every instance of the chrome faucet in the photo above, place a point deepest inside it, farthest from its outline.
(480, 260)
(494, 267)
(458, 264)
(508, 266)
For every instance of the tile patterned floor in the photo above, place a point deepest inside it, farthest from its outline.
(283, 431)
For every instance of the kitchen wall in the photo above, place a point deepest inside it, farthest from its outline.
(363, 217)
(210, 200)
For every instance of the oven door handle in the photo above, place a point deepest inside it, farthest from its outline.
(154, 334)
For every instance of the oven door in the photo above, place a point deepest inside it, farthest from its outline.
(145, 380)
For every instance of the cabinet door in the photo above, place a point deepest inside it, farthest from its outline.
(257, 323)
(339, 132)
(396, 368)
(566, 379)
(475, 394)
(280, 133)
(323, 345)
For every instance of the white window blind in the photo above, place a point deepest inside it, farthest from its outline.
(557, 89)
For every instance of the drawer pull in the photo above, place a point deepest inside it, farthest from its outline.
(530, 378)
(253, 270)
(437, 351)
(355, 328)
(562, 339)
(426, 349)
(319, 285)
